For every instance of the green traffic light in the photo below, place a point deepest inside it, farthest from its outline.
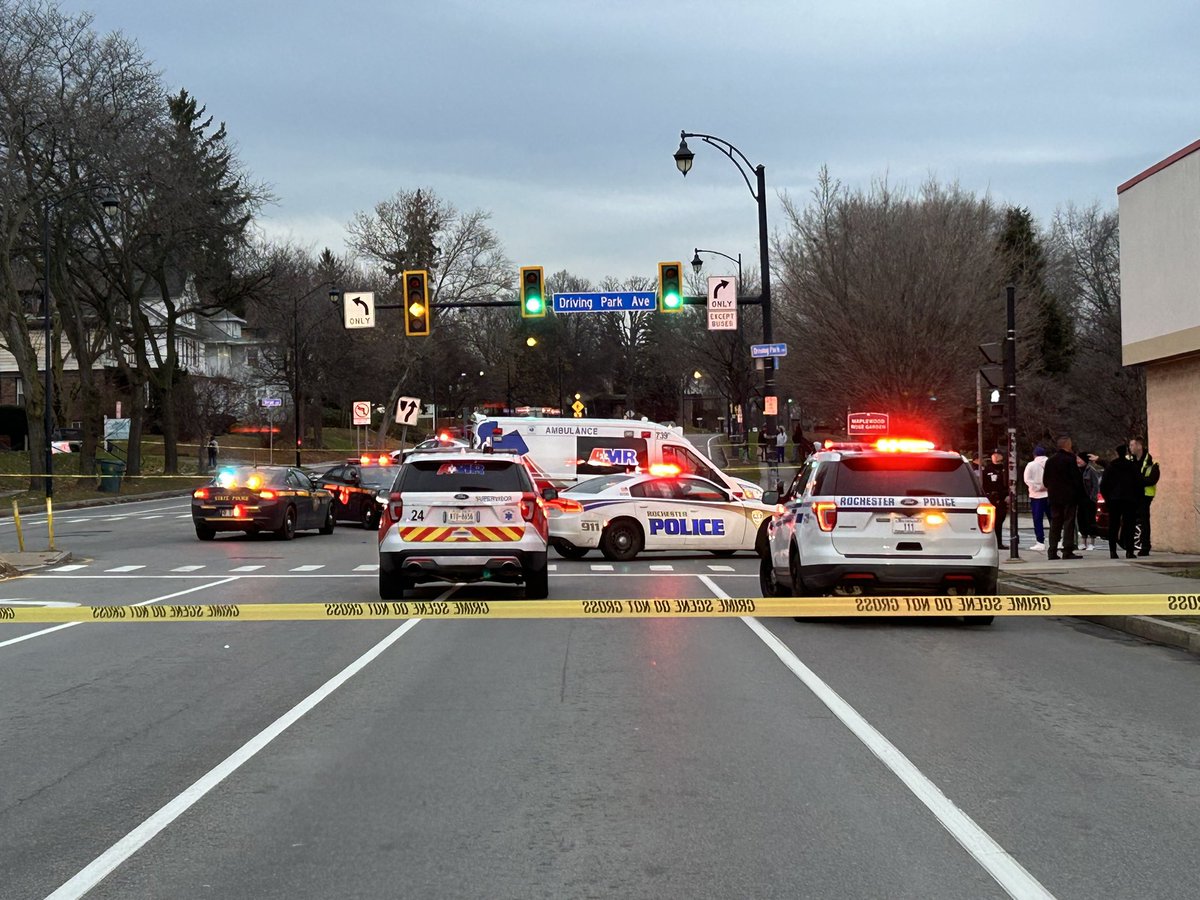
(671, 301)
(533, 303)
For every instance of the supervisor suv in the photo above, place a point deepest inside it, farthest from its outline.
(467, 515)
(895, 517)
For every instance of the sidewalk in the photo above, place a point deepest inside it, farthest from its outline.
(1097, 573)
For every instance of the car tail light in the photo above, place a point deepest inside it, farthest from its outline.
(266, 494)
(533, 511)
(395, 507)
(826, 513)
(987, 517)
(566, 504)
(200, 493)
(238, 512)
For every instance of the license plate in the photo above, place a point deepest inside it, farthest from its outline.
(460, 516)
(227, 512)
(907, 525)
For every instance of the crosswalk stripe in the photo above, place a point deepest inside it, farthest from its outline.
(373, 568)
(721, 568)
(246, 568)
(598, 567)
(662, 568)
(125, 569)
(187, 568)
(70, 568)
(307, 568)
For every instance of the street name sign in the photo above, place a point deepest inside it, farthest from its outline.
(407, 410)
(362, 412)
(722, 303)
(866, 423)
(358, 309)
(605, 301)
(272, 402)
(762, 351)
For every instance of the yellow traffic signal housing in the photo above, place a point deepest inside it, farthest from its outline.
(533, 293)
(416, 303)
(670, 287)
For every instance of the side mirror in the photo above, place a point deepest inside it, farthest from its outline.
(549, 494)
(770, 498)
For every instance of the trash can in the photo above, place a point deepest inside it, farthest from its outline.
(111, 471)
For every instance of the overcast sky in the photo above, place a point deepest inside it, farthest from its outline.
(560, 118)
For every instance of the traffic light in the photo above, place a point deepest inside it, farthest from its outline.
(670, 287)
(533, 294)
(416, 303)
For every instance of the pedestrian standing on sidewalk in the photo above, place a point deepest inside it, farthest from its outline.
(1038, 504)
(1064, 488)
(1122, 487)
(780, 444)
(799, 444)
(212, 451)
(1087, 506)
(1148, 469)
(995, 488)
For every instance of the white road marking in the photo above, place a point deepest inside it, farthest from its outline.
(721, 568)
(186, 516)
(187, 568)
(99, 868)
(125, 569)
(71, 568)
(117, 519)
(246, 568)
(147, 518)
(371, 568)
(662, 568)
(551, 567)
(600, 567)
(307, 568)
(46, 604)
(171, 596)
(996, 861)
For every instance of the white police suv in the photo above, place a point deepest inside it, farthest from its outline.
(894, 517)
(623, 515)
(457, 514)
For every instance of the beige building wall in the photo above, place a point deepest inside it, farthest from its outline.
(1173, 402)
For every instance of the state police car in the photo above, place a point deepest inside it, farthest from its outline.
(895, 517)
(623, 515)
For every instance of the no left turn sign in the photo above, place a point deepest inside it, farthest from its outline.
(362, 412)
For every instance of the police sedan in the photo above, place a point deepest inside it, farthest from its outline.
(622, 515)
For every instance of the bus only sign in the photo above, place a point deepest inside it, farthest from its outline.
(866, 423)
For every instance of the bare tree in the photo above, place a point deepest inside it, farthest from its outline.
(886, 293)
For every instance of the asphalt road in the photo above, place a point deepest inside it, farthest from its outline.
(567, 758)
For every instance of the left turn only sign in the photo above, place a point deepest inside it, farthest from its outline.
(358, 309)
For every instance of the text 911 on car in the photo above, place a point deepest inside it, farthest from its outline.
(280, 499)
(623, 515)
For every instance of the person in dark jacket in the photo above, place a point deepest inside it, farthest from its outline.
(995, 488)
(1064, 489)
(1148, 470)
(1091, 472)
(1121, 485)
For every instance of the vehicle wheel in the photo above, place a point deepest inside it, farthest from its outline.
(568, 550)
(722, 553)
(328, 527)
(287, 530)
(762, 543)
(768, 583)
(621, 541)
(537, 584)
(392, 585)
(205, 533)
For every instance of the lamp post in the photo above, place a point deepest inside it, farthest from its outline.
(683, 160)
(334, 296)
(110, 205)
(697, 265)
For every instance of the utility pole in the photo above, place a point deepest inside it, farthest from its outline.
(1010, 383)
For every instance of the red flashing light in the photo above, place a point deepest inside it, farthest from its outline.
(364, 459)
(826, 513)
(444, 437)
(200, 493)
(664, 470)
(238, 512)
(384, 459)
(903, 445)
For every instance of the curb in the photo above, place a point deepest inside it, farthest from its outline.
(13, 565)
(1158, 631)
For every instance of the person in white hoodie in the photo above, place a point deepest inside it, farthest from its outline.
(1035, 471)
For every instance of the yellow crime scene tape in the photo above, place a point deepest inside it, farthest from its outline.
(697, 607)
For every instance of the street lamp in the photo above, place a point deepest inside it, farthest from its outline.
(110, 204)
(683, 160)
(697, 265)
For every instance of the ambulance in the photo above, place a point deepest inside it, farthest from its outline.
(573, 450)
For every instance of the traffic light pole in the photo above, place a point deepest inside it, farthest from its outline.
(1010, 383)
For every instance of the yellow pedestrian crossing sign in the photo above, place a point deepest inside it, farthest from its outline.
(578, 407)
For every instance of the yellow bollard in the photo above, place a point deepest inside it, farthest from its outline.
(17, 522)
(50, 520)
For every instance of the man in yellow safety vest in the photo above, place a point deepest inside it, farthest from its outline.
(1148, 469)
